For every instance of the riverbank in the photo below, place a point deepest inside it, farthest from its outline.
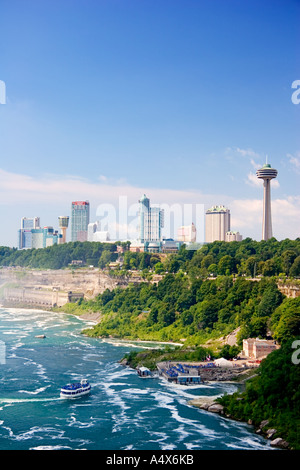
(211, 405)
(89, 316)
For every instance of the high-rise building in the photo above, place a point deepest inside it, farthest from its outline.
(217, 223)
(25, 235)
(80, 220)
(30, 222)
(44, 237)
(267, 173)
(151, 221)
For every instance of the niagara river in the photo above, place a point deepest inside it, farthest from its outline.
(122, 412)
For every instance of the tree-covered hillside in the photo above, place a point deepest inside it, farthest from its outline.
(273, 396)
(266, 258)
(195, 311)
(59, 256)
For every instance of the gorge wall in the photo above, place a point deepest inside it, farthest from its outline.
(20, 286)
(53, 287)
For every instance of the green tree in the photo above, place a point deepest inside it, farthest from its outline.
(250, 266)
(269, 268)
(104, 259)
(226, 265)
(212, 269)
(159, 268)
(295, 268)
(288, 258)
(271, 298)
(286, 320)
(229, 352)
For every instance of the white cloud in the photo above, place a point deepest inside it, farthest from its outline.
(255, 165)
(252, 180)
(295, 161)
(17, 188)
(247, 153)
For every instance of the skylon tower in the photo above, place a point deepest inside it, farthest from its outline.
(267, 173)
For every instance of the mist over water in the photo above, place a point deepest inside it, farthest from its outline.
(122, 412)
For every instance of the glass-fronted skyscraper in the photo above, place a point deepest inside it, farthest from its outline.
(151, 221)
(25, 232)
(80, 219)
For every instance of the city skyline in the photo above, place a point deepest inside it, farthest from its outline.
(178, 100)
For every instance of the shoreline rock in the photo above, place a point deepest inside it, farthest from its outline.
(209, 404)
(280, 443)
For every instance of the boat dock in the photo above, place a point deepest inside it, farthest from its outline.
(183, 374)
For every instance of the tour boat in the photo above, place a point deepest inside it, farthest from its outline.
(144, 372)
(75, 390)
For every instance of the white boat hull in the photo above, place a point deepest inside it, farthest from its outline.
(74, 395)
(75, 390)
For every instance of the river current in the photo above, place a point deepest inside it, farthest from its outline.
(123, 411)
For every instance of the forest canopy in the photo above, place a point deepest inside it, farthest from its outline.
(248, 257)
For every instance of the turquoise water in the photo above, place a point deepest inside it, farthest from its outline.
(123, 411)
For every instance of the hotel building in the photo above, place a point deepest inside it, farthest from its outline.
(25, 234)
(80, 218)
(151, 221)
(44, 237)
(217, 223)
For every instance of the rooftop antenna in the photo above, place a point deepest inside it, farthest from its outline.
(266, 159)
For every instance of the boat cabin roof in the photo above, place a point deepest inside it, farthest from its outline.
(74, 386)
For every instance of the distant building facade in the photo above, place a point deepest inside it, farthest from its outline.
(95, 234)
(45, 237)
(25, 234)
(80, 219)
(217, 223)
(151, 221)
(255, 348)
(233, 237)
(187, 233)
(93, 227)
(169, 245)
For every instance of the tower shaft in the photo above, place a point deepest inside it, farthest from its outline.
(64, 234)
(267, 220)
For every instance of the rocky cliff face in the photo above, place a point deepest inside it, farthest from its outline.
(54, 286)
(289, 290)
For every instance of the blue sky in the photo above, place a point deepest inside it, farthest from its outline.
(180, 99)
